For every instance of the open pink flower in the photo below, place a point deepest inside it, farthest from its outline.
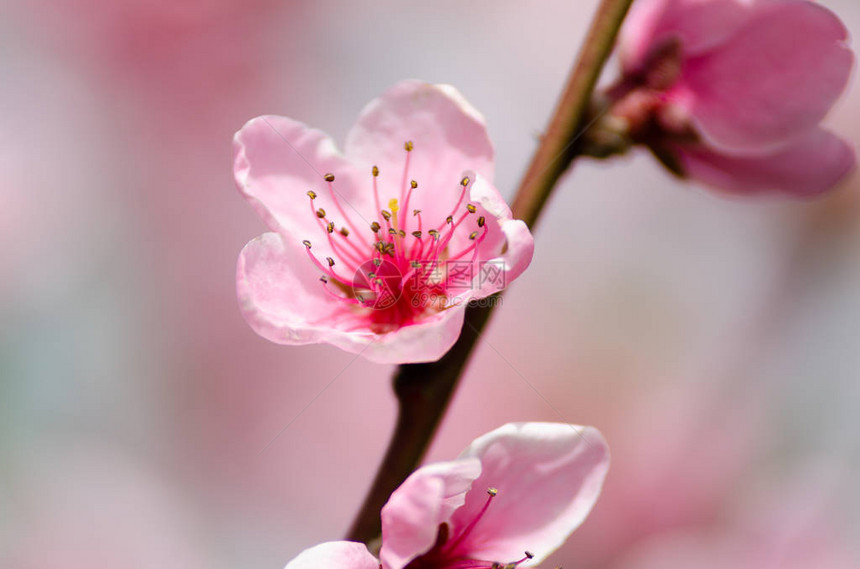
(379, 249)
(520, 489)
(731, 92)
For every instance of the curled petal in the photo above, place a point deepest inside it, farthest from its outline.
(548, 477)
(411, 517)
(510, 253)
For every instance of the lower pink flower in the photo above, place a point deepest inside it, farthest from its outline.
(731, 92)
(377, 250)
(511, 498)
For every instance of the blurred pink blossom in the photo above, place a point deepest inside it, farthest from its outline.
(522, 486)
(377, 251)
(731, 92)
(780, 526)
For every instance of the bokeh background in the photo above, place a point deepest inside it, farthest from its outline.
(714, 341)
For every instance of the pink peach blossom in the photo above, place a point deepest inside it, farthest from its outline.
(520, 489)
(734, 90)
(379, 249)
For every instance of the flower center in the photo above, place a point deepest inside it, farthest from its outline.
(452, 552)
(402, 268)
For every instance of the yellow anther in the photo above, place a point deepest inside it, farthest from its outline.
(329, 177)
(324, 279)
(481, 221)
(375, 226)
(449, 219)
(465, 181)
(306, 243)
(320, 213)
(392, 231)
(375, 171)
(330, 261)
(416, 211)
(413, 184)
(417, 234)
(471, 208)
(408, 146)
(402, 233)
(492, 491)
(344, 231)
(385, 215)
(330, 227)
(473, 234)
(312, 194)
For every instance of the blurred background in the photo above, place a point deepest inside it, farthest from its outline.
(714, 341)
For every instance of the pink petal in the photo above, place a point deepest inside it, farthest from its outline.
(700, 25)
(335, 555)
(411, 518)
(278, 160)
(548, 476)
(509, 246)
(808, 167)
(280, 294)
(448, 134)
(426, 341)
(282, 299)
(773, 80)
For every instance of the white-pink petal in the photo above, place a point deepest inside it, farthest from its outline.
(278, 160)
(335, 555)
(449, 132)
(280, 295)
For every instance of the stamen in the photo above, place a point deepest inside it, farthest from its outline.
(407, 146)
(344, 231)
(375, 173)
(312, 194)
(306, 243)
(375, 227)
(321, 213)
(471, 208)
(491, 493)
(348, 220)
